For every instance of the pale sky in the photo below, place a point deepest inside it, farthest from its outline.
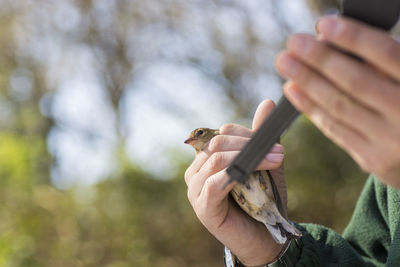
(84, 141)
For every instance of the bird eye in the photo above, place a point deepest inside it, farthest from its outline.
(200, 132)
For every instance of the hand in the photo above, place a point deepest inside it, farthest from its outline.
(356, 104)
(246, 238)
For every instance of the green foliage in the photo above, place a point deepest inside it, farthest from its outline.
(132, 218)
(135, 220)
(323, 181)
(323, 6)
(15, 164)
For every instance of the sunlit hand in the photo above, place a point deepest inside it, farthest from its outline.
(356, 104)
(205, 177)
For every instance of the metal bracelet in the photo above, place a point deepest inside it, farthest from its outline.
(232, 261)
(283, 251)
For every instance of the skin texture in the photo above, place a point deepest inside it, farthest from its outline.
(353, 103)
(256, 196)
(356, 104)
(205, 177)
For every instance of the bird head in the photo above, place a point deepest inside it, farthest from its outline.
(200, 137)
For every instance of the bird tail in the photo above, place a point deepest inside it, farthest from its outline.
(282, 231)
(276, 232)
(290, 230)
(283, 228)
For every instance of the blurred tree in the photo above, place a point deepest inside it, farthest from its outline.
(132, 218)
(324, 6)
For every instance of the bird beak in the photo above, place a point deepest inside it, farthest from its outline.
(189, 141)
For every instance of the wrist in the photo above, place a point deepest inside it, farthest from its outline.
(288, 257)
(262, 259)
(232, 261)
(253, 245)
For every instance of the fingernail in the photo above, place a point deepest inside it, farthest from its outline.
(329, 26)
(316, 27)
(278, 148)
(274, 157)
(299, 44)
(287, 65)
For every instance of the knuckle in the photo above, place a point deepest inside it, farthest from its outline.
(216, 143)
(201, 213)
(209, 187)
(187, 176)
(200, 208)
(227, 128)
(206, 193)
(215, 160)
(350, 34)
(189, 195)
(391, 50)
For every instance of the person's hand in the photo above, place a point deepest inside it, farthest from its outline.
(355, 103)
(248, 239)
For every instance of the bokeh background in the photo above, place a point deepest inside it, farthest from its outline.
(96, 99)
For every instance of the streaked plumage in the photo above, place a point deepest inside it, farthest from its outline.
(258, 196)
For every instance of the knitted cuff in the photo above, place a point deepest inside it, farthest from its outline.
(303, 252)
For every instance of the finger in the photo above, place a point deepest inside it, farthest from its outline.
(234, 143)
(222, 143)
(201, 157)
(212, 201)
(228, 129)
(263, 110)
(213, 190)
(235, 129)
(338, 104)
(372, 44)
(220, 160)
(350, 140)
(195, 166)
(352, 76)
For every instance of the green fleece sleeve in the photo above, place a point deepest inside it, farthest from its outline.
(365, 241)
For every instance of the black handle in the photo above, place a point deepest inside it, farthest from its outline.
(262, 141)
(379, 13)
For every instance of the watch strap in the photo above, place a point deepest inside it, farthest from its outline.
(291, 256)
(288, 257)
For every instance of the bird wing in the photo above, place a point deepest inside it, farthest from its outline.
(277, 196)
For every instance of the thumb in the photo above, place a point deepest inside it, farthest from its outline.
(263, 110)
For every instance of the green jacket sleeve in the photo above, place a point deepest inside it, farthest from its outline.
(365, 241)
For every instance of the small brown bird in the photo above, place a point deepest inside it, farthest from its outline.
(258, 196)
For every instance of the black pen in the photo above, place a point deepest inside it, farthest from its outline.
(379, 13)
